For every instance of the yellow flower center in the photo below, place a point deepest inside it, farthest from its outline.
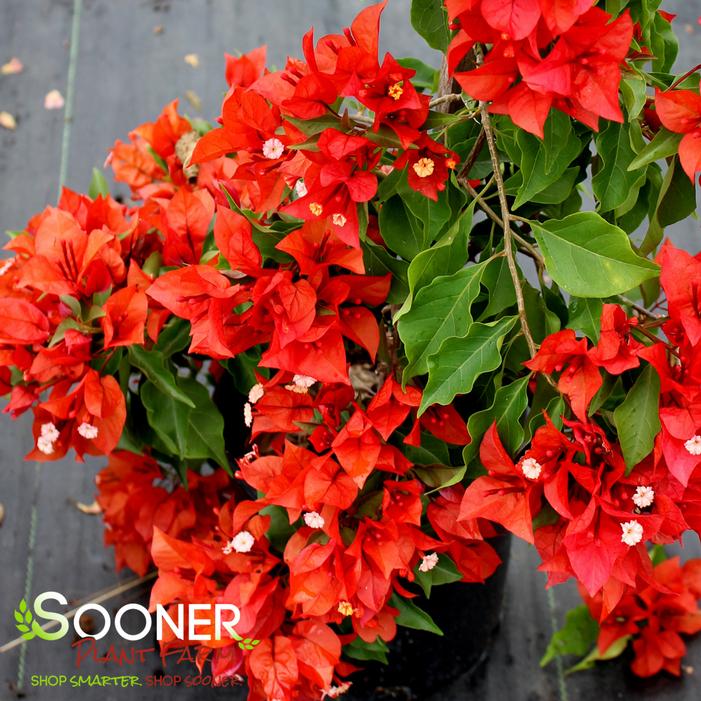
(339, 220)
(450, 163)
(424, 167)
(395, 91)
(345, 608)
(315, 208)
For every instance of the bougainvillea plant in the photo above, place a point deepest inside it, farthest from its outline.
(378, 314)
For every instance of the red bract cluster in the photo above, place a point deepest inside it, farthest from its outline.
(680, 112)
(355, 505)
(594, 514)
(654, 617)
(136, 497)
(544, 54)
(73, 293)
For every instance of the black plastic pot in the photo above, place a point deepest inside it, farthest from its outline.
(420, 662)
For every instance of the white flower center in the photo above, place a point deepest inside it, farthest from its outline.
(242, 542)
(49, 431)
(256, 393)
(643, 497)
(531, 468)
(428, 562)
(693, 445)
(45, 445)
(247, 414)
(339, 220)
(273, 148)
(314, 520)
(300, 188)
(632, 533)
(88, 431)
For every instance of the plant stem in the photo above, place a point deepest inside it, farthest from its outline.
(508, 233)
(443, 99)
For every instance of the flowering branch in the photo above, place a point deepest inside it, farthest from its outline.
(506, 225)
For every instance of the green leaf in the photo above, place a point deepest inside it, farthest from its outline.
(543, 162)
(613, 179)
(615, 649)
(664, 145)
(441, 310)
(400, 230)
(430, 19)
(445, 572)
(634, 94)
(358, 649)
(153, 365)
(588, 257)
(460, 361)
(446, 257)
(637, 418)
(183, 431)
(440, 476)
(585, 316)
(497, 279)
(98, 185)
(411, 616)
(510, 401)
(576, 637)
(426, 76)
(378, 261)
(174, 337)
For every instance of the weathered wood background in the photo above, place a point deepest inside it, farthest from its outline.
(117, 62)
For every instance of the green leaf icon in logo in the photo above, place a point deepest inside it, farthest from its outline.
(245, 643)
(24, 619)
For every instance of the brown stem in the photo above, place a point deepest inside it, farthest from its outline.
(508, 233)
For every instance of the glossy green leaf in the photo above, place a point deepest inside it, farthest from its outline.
(98, 185)
(189, 433)
(440, 310)
(543, 162)
(453, 369)
(585, 316)
(664, 144)
(576, 637)
(588, 257)
(154, 365)
(411, 616)
(613, 179)
(637, 418)
(510, 402)
(430, 19)
(445, 572)
(447, 256)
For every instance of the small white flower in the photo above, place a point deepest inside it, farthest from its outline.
(247, 414)
(428, 562)
(242, 542)
(304, 381)
(531, 468)
(632, 533)
(49, 431)
(227, 549)
(693, 445)
(334, 692)
(273, 149)
(256, 393)
(643, 497)
(339, 220)
(300, 188)
(45, 445)
(88, 430)
(314, 520)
